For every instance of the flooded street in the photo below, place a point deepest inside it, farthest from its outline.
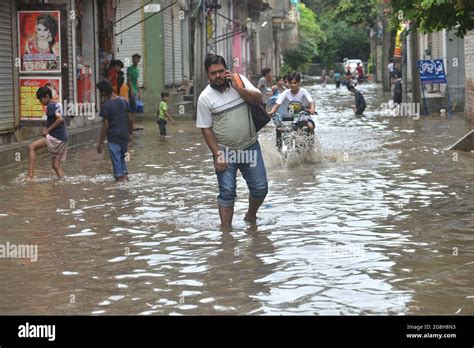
(382, 223)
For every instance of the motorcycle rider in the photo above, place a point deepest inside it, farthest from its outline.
(295, 94)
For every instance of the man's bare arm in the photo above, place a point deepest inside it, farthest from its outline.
(103, 134)
(210, 140)
(129, 84)
(251, 97)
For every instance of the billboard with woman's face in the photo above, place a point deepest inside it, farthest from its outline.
(40, 41)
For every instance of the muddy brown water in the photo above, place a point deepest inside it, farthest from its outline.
(381, 223)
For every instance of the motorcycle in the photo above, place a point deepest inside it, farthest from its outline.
(293, 136)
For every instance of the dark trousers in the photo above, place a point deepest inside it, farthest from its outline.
(162, 123)
(360, 110)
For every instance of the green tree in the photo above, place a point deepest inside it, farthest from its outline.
(342, 41)
(309, 36)
(344, 24)
(434, 15)
(321, 6)
(359, 12)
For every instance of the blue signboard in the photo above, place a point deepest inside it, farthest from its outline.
(432, 71)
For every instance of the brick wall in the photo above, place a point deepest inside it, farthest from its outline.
(469, 62)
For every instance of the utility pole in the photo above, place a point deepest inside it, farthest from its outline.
(373, 51)
(199, 52)
(385, 55)
(257, 47)
(405, 66)
(415, 56)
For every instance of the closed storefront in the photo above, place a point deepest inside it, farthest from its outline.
(130, 33)
(173, 46)
(7, 86)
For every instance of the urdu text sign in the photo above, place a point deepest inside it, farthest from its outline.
(432, 71)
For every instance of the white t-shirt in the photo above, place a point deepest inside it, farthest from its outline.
(390, 67)
(227, 113)
(302, 97)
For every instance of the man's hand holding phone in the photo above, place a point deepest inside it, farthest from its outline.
(229, 76)
(234, 79)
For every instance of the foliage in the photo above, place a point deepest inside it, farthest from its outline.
(309, 36)
(342, 41)
(344, 24)
(359, 12)
(285, 70)
(434, 15)
(371, 64)
(321, 6)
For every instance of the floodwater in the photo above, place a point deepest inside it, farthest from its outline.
(381, 222)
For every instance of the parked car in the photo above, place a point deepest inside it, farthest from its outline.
(352, 63)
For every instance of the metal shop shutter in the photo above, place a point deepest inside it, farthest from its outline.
(173, 46)
(7, 104)
(131, 41)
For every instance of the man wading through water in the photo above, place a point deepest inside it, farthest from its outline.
(227, 126)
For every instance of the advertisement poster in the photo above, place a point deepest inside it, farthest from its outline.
(40, 41)
(30, 107)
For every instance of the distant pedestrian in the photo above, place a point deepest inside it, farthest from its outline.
(112, 72)
(132, 81)
(122, 88)
(337, 78)
(359, 100)
(55, 135)
(391, 71)
(397, 89)
(163, 114)
(324, 75)
(117, 127)
(278, 89)
(115, 69)
(281, 86)
(264, 85)
(360, 73)
(348, 75)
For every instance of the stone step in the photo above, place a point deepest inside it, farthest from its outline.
(189, 97)
(176, 97)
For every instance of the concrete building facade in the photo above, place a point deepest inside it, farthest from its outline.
(469, 80)
(450, 48)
